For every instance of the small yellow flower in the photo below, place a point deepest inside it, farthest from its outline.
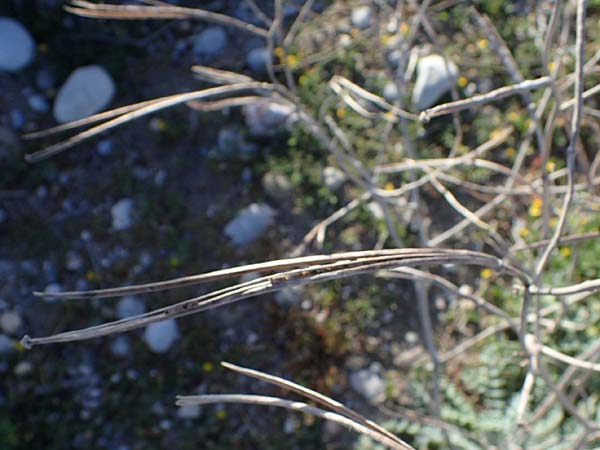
(292, 60)
(340, 112)
(279, 52)
(208, 366)
(513, 116)
(524, 232)
(90, 275)
(565, 251)
(221, 414)
(462, 81)
(535, 210)
(510, 152)
(390, 116)
(387, 39)
(486, 273)
(482, 44)
(550, 166)
(389, 186)
(553, 221)
(584, 220)
(551, 66)
(404, 29)
(496, 133)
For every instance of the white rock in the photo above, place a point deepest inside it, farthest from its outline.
(23, 368)
(10, 322)
(390, 92)
(257, 59)
(333, 177)
(122, 214)
(161, 336)
(276, 185)
(74, 261)
(120, 346)
(52, 288)
(88, 90)
(130, 306)
(210, 42)
(264, 118)
(189, 411)
(369, 383)
(361, 17)
(6, 344)
(249, 224)
(434, 79)
(17, 47)
(376, 210)
(411, 337)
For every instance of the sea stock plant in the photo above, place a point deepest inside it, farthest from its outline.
(476, 197)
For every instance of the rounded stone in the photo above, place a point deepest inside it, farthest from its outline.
(88, 90)
(17, 47)
(161, 336)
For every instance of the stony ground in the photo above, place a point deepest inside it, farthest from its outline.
(147, 202)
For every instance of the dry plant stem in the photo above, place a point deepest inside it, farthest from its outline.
(259, 12)
(219, 76)
(129, 12)
(482, 99)
(584, 286)
(304, 12)
(413, 416)
(269, 266)
(315, 396)
(535, 363)
(318, 231)
(297, 277)
(574, 362)
(563, 240)
(165, 102)
(294, 406)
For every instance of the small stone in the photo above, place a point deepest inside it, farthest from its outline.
(122, 214)
(264, 119)
(411, 337)
(189, 412)
(6, 345)
(17, 47)
(161, 336)
(38, 103)
(53, 288)
(361, 17)
(210, 42)
(257, 60)
(130, 306)
(434, 79)
(88, 90)
(249, 224)
(10, 322)
(74, 261)
(333, 178)
(369, 383)
(344, 40)
(23, 368)
(120, 346)
(376, 210)
(104, 147)
(390, 92)
(276, 185)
